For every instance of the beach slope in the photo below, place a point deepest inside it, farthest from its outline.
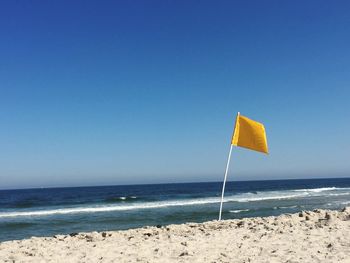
(317, 236)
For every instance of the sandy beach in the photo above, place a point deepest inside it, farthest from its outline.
(308, 236)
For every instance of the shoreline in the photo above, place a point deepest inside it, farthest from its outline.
(308, 236)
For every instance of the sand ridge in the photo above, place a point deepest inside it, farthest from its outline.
(308, 236)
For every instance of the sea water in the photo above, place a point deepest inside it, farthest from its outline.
(46, 212)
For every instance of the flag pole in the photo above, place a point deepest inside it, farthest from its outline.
(225, 177)
(223, 185)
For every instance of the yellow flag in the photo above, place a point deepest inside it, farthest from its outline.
(249, 134)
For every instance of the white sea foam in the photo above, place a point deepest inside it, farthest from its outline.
(286, 207)
(242, 197)
(339, 194)
(322, 189)
(245, 197)
(238, 211)
(268, 196)
(109, 208)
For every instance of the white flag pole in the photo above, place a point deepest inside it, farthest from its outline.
(223, 185)
(225, 177)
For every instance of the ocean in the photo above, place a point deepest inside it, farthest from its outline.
(49, 211)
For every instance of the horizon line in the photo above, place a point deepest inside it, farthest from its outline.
(141, 184)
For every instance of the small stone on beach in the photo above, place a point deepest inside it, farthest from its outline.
(185, 253)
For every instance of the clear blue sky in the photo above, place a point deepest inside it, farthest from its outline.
(118, 92)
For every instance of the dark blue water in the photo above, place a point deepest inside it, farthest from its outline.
(45, 212)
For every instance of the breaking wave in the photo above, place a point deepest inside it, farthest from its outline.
(119, 203)
(322, 189)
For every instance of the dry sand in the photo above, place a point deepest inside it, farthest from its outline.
(318, 236)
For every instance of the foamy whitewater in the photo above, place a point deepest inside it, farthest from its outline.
(24, 213)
